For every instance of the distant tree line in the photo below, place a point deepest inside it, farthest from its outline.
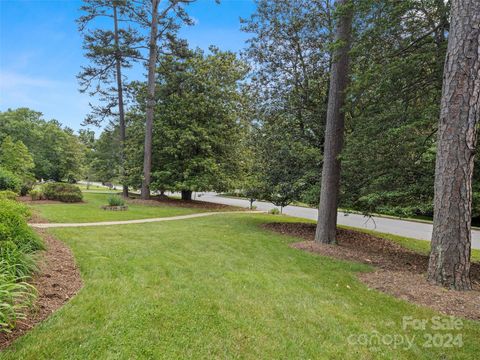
(34, 148)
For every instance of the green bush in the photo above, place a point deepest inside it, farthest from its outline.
(14, 227)
(115, 200)
(36, 194)
(8, 195)
(26, 188)
(274, 211)
(9, 181)
(62, 192)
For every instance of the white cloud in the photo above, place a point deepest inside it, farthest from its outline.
(56, 99)
(13, 81)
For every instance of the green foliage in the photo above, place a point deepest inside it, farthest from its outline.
(14, 228)
(62, 192)
(36, 194)
(392, 108)
(274, 211)
(15, 157)
(57, 152)
(290, 53)
(198, 127)
(9, 181)
(106, 158)
(116, 200)
(18, 243)
(15, 297)
(389, 159)
(8, 195)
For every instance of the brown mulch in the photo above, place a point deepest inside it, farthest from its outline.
(28, 200)
(57, 281)
(196, 204)
(399, 271)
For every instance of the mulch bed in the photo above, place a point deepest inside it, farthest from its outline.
(196, 204)
(399, 271)
(28, 200)
(57, 281)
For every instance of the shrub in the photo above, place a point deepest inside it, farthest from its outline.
(26, 188)
(36, 194)
(13, 227)
(116, 200)
(62, 192)
(8, 195)
(274, 211)
(9, 181)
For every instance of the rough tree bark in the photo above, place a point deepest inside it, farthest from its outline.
(152, 62)
(327, 210)
(121, 110)
(459, 114)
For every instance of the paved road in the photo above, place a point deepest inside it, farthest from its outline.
(412, 229)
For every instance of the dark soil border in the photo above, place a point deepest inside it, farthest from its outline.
(57, 281)
(398, 271)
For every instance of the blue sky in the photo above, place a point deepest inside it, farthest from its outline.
(41, 54)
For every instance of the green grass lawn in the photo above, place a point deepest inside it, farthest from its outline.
(92, 187)
(90, 211)
(222, 287)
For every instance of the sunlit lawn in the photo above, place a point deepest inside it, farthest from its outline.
(222, 287)
(90, 210)
(99, 188)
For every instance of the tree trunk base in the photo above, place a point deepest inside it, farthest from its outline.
(186, 195)
(125, 191)
(325, 238)
(454, 276)
(145, 191)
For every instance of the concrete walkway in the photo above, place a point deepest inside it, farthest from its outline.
(138, 221)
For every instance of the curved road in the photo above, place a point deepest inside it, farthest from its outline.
(412, 229)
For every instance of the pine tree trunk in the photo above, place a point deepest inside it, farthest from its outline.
(459, 114)
(152, 63)
(121, 109)
(327, 210)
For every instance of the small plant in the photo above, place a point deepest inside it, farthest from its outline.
(115, 200)
(15, 297)
(274, 211)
